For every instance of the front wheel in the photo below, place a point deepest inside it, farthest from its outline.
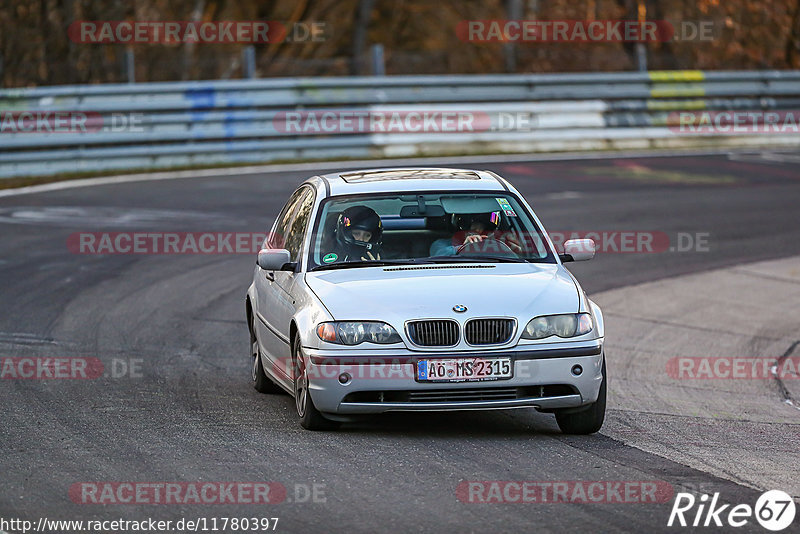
(586, 421)
(310, 417)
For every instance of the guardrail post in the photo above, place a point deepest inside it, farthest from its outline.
(641, 57)
(249, 61)
(513, 12)
(362, 16)
(130, 71)
(378, 65)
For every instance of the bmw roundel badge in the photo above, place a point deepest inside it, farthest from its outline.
(459, 308)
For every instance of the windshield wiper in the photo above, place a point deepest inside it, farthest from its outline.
(462, 258)
(465, 258)
(362, 263)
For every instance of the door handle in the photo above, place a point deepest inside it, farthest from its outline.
(270, 276)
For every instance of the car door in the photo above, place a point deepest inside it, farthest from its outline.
(268, 294)
(276, 305)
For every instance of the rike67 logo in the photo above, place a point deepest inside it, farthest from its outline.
(774, 510)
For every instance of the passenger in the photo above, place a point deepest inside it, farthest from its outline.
(473, 228)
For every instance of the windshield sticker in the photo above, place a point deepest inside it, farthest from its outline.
(506, 207)
(330, 258)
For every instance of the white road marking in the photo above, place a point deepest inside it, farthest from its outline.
(563, 195)
(24, 338)
(91, 216)
(766, 157)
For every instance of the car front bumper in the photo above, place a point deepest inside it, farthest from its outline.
(384, 380)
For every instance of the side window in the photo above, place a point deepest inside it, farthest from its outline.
(278, 237)
(297, 227)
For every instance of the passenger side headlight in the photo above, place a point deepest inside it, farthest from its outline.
(354, 333)
(567, 325)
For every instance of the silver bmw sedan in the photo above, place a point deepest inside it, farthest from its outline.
(416, 289)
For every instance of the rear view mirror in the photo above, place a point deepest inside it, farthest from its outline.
(408, 212)
(273, 259)
(578, 250)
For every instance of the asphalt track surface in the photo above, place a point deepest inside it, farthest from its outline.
(190, 414)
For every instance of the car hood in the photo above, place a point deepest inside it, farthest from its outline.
(397, 294)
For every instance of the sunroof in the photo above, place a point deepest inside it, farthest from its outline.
(415, 174)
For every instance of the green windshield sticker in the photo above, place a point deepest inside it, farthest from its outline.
(503, 203)
(330, 258)
(506, 207)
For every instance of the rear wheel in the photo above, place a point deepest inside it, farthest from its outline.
(589, 420)
(310, 417)
(261, 381)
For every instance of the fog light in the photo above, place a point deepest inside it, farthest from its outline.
(344, 378)
(577, 370)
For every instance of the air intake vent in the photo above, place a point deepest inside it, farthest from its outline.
(489, 331)
(439, 333)
(463, 395)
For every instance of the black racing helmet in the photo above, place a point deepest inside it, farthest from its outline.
(359, 218)
(490, 220)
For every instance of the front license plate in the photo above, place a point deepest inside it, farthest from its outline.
(464, 369)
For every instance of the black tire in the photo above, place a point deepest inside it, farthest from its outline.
(260, 380)
(586, 421)
(310, 417)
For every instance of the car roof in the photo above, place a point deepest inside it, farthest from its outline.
(390, 180)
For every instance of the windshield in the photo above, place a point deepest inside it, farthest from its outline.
(360, 230)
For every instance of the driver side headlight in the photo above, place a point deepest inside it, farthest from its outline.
(566, 325)
(354, 333)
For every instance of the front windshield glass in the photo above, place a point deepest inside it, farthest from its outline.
(425, 227)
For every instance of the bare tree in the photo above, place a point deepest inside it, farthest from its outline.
(793, 41)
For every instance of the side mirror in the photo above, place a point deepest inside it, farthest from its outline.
(273, 259)
(578, 250)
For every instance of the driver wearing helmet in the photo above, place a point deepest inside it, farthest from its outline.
(472, 228)
(358, 235)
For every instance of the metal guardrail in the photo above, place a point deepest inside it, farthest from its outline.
(221, 122)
